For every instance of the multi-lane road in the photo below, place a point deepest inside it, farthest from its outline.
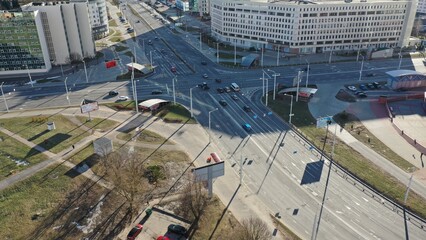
(283, 172)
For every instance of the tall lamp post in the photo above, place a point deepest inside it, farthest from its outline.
(307, 72)
(291, 108)
(275, 75)
(85, 71)
(405, 206)
(190, 97)
(174, 92)
(29, 75)
(210, 123)
(400, 60)
(4, 97)
(217, 52)
(66, 90)
(362, 66)
(329, 59)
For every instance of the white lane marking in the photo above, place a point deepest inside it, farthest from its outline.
(348, 207)
(339, 212)
(356, 203)
(365, 199)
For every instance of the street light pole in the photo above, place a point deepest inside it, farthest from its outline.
(29, 75)
(329, 59)
(400, 60)
(200, 42)
(174, 92)
(150, 57)
(405, 206)
(307, 73)
(217, 52)
(4, 97)
(298, 82)
(235, 52)
(267, 83)
(210, 122)
(275, 75)
(278, 56)
(291, 108)
(66, 90)
(190, 97)
(85, 71)
(362, 66)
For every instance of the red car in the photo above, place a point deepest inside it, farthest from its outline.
(134, 232)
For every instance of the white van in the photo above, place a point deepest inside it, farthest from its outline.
(235, 87)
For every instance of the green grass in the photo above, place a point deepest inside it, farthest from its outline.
(111, 32)
(116, 34)
(121, 106)
(120, 48)
(119, 14)
(145, 136)
(12, 149)
(347, 157)
(115, 39)
(228, 56)
(98, 124)
(352, 124)
(82, 155)
(175, 113)
(112, 23)
(34, 129)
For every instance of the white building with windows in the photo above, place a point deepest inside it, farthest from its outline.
(313, 26)
(98, 17)
(421, 8)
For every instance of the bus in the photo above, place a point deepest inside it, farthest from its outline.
(235, 87)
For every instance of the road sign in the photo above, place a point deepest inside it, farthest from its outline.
(323, 121)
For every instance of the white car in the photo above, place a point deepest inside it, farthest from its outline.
(122, 98)
(352, 88)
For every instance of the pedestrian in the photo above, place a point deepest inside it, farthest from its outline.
(415, 142)
(402, 132)
(73, 147)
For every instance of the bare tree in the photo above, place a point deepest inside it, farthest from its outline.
(193, 200)
(253, 229)
(74, 58)
(126, 172)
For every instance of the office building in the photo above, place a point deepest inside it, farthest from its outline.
(421, 8)
(313, 26)
(23, 47)
(98, 17)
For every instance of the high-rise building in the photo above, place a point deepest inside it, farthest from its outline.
(421, 8)
(313, 26)
(98, 17)
(23, 47)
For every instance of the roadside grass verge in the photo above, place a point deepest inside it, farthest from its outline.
(352, 124)
(16, 156)
(228, 56)
(112, 23)
(98, 124)
(34, 129)
(347, 157)
(115, 39)
(84, 154)
(285, 231)
(175, 114)
(145, 136)
(121, 106)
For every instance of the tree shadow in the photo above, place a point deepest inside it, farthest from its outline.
(83, 166)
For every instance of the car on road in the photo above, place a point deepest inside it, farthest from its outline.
(352, 88)
(156, 92)
(362, 95)
(178, 229)
(234, 97)
(247, 108)
(134, 232)
(376, 84)
(112, 93)
(130, 30)
(203, 63)
(247, 127)
(218, 80)
(203, 86)
(370, 85)
(138, 21)
(122, 98)
(371, 75)
(227, 89)
(220, 90)
(149, 42)
(358, 92)
(162, 50)
(173, 69)
(205, 75)
(223, 102)
(363, 87)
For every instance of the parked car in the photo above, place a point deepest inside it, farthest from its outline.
(376, 84)
(358, 92)
(223, 102)
(234, 97)
(138, 21)
(352, 88)
(174, 228)
(134, 232)
(247, 108)
(362, 95)
(220, 90)
(205, 75)
(113, 93)
(370, 85)
(122, 98)
(363, 87)
(371, 75)
(227, 89)
(247, 127)
(156, 92)
(203, 63)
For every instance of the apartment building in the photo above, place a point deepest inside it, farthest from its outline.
(313, 26)
(23, 47)
(98, 17)
(421, 8)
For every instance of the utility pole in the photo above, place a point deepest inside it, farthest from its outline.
(4, 97)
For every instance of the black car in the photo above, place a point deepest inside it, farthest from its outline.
(218, 80)
(203, 63)
(113, 93)
(223, 102)
(362, 95)
(247, 108)
(156, 92)
(220, 90)
(370, 86)
(376, 84)
(227, 89)
(176, 229)
(370, 75)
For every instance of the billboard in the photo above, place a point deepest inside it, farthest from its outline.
(110, 64)
(88, 106)
(323, 121)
